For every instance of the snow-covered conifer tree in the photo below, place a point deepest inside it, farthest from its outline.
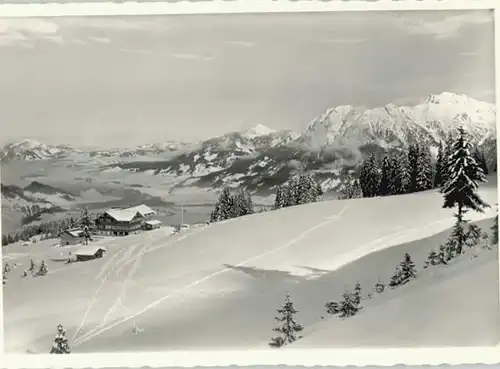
(357, 295)
(461, 187)
(494, 231)
(223, 207)
(278, 199)
(385, 177)
(379, 286)
(438, 175)
(287, 328)
(60, 344)
(396, 279)
(399, 177)
(87, 225)
(332, 307)
(424, 177)
(413, 155)
(481, 160)
(348, 306)
(369, 177)
(408, 270)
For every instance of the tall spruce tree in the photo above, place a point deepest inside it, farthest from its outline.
(87, 225)
(279, 199)
(242, 203)
(287, 328)
(351, 188)
(438, 175)
(306, 189)
(461, 189)
(424, 176)
(413, 155)
(223, 207)
(369, 177)
(399, 178)
(60, 344)
(385, 178)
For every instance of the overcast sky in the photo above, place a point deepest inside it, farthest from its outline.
(124, 81)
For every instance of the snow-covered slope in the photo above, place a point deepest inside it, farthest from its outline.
(454, 305)
(429, 122)
(217, 286)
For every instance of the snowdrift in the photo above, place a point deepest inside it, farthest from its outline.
(218, 286)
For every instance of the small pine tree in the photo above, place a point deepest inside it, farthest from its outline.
(379, 286)
(494, 231)
(43, 269)
(348, 306)
(60, 344)
(408, 270)
(287, 326)
(473, 235)
(332, 307)
(6, 268)
(4, 277)
(357, 295)
(396, 279)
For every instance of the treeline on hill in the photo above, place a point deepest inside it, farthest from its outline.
(406, 171)
(300, 189)
(49, 229)
(458, 172)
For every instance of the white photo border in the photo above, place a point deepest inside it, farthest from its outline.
(289, 357)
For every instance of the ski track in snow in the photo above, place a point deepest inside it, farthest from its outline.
(98, 332)
(118, 267)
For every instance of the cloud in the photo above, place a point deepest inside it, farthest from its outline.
(445, 27)
(468, 53)
(116, 23)
(99, 40)
(137, 51)
(23, 31)
(343, 41)
(240, 43)
(191, 57)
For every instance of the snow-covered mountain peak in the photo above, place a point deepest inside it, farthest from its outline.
(400, 125)
(257, 131)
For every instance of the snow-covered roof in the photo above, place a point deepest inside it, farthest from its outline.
(142, 209)
(75, 232)
(153, 222)
(89, 250)
(126, 215)
(122, 215)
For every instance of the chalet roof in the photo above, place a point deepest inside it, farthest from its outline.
(126, 215)
(122, 215)
(142, 209)
(89, 250)
(153, 222)
(75, 232)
